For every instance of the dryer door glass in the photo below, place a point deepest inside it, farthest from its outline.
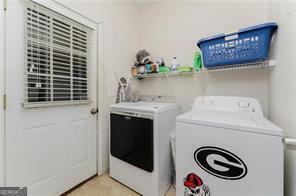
(132, 140)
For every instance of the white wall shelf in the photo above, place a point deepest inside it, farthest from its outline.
(253, 65)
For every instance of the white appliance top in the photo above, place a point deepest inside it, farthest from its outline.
(151, 107)
(237, 113)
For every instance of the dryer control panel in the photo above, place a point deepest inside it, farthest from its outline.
(246, 105)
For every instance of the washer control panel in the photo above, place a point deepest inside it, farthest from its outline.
(229, 104)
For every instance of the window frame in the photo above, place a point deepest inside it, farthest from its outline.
(80, 22)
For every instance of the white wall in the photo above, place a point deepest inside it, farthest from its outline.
(119, 45)
(283, 82)
(1, 94)
(173, 28)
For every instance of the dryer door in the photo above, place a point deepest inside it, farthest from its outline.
(131, 139)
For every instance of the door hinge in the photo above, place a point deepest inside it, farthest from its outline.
(4, 102)
(5, 5)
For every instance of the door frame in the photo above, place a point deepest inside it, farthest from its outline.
(100, 153)
(2, 92)
(97, 26)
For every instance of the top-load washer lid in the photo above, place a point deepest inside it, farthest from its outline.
(151, 107)
(236, 113)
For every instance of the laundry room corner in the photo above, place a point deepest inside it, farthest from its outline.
(282, 80)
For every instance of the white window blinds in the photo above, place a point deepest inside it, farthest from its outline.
(57, 58)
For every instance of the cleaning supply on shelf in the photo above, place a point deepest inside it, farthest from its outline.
(156, 67)
(153, 68)
(184, 69)
(134, 71)
(158, 64)
(175, 64)
(164, 69)
(142, 69)
(197, 61)
(148, 68)
(161, 67)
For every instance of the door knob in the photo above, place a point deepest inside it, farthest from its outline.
(94, 111)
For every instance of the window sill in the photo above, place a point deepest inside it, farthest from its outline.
(55, 104)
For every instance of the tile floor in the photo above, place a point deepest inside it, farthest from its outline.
(104, 185)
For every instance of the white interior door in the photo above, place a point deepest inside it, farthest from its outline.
(51, 88)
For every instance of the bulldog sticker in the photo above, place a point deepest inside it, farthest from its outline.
(194, 186)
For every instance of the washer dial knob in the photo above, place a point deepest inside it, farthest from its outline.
(244, 104)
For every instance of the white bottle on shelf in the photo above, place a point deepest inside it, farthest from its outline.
(175, 64)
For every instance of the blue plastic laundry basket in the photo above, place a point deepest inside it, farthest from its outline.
(242, 46)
